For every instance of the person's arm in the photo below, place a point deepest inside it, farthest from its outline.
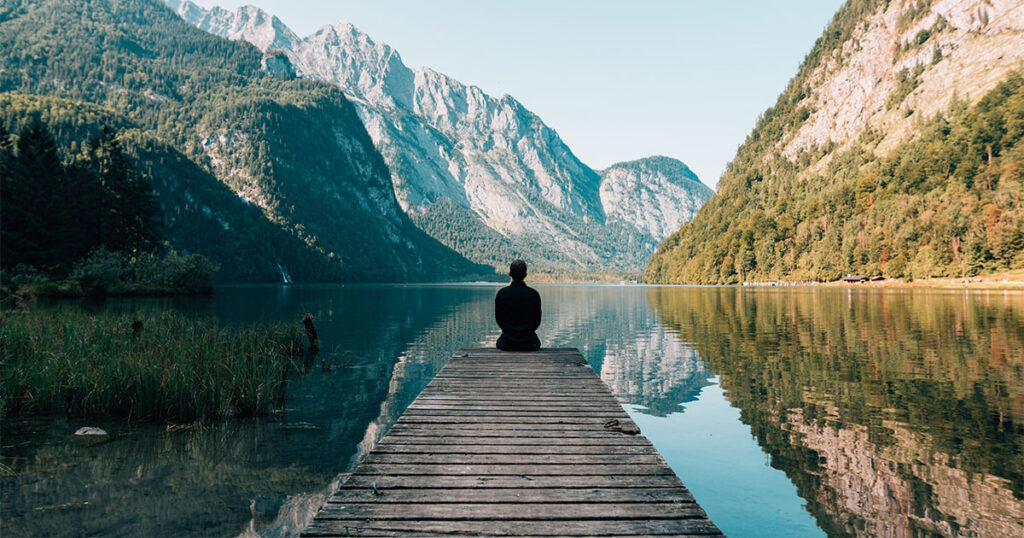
(535, 318)
(499, 312)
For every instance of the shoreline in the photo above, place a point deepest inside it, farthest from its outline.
(1010, 280)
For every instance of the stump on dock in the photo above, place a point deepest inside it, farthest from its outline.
(503, 443)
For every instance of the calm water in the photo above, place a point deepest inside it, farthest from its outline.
(788, 412)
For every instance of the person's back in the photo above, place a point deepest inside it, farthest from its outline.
(517, 311)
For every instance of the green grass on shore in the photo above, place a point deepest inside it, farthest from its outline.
(149, 367)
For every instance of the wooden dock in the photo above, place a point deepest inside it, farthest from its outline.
(513, 444)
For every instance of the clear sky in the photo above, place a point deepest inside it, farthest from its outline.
(618, 80)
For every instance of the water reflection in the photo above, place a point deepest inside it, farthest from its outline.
(267, 476)
(620, 336)
(895, 413)
(890, 413)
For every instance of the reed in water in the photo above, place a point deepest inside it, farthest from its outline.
(141, 367)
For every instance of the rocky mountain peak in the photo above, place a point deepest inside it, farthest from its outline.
(652, 193)
(367, 70)
(490, 164)
(907, 62)
(248, 23)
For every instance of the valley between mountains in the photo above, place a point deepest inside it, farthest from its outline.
(894, 151)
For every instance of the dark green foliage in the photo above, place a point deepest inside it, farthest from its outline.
(130, 219)
(457, 227)
(948, 202)
(315, 194)
(149, 273)
(53, 214)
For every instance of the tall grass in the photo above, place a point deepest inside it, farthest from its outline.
(150, 367)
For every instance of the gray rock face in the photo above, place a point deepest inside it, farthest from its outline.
(485, 157)
(657, 194)
(278, 65)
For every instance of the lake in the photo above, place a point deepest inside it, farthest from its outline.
(786, 411)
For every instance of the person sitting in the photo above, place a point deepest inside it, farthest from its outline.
(517, 310)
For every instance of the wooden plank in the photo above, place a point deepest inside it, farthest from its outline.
(593, 412)
(418, 437)
(532, 495)
(550, 449)
(513, 482)
(663, 527)
(525, 430)
(534, 370)
(512, 459)
(538, 400)
(471, 405)
(493, 405)
(396, 469)
(513, 444)
(496, 511)
(592, 420)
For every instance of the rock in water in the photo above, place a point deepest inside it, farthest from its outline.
(90, 430)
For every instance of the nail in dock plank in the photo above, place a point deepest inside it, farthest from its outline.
(508, 444)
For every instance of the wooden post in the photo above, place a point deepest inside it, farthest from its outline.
(314, 340)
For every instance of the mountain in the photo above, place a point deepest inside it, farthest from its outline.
(483, 175)
(895, 150)
(307, 193)
(657, 194)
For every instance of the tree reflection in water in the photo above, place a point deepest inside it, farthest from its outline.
(895, 412)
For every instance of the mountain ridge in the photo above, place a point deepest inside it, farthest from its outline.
(879, 157)
(489, 156)
(294, 148)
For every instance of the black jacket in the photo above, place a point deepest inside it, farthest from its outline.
(517, 310)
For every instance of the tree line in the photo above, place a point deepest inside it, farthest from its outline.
(83, 219)
(54, 213)
(948, 202)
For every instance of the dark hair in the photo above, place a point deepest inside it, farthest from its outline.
(517, 270)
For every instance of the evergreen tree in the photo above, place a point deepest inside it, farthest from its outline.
(30, 199)
(131, 216)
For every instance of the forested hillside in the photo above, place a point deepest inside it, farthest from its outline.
(306, 188)
(200, 214)
(921, 176)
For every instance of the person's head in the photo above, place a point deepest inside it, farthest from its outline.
(517, 270)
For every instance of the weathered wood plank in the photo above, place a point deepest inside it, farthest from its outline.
(477, 405)
(512, 459)
(539, 400)
(510, 430)
(664, 527)
(512, 482)
(539, 449)
(420, 437)
(532, 495)
(423, 409)
(496, 511)
(513, 444)
(396, 469)
(596, 413)
(587, 418)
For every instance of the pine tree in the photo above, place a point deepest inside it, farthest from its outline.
(30, 191)
(130, 219)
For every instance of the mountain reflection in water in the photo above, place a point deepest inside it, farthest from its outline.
(890, 413)
(895, 413)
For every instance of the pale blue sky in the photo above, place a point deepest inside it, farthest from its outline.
(618, 80)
